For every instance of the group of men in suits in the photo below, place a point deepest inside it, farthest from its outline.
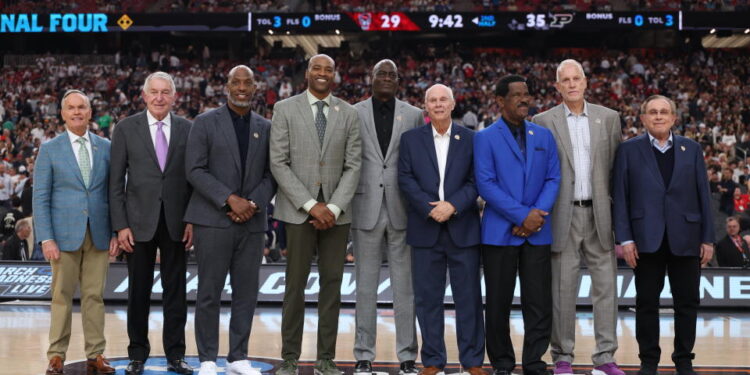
(406, 190)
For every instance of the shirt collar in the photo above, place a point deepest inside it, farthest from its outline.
(435, 134)
(568, 112)
(655, 142)
(74, 138)
(390, 104)
(234, 115)
(152, 120)
(312, 99)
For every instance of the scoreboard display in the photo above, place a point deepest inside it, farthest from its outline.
(425, 22)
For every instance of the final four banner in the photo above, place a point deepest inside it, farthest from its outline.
(720, 287)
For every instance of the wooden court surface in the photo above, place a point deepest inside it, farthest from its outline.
(723, 337)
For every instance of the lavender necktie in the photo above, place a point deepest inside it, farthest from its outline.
(161, 145)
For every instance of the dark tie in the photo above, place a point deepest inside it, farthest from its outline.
(320, 121)
(518, 135)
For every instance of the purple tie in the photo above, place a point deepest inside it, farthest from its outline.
(161, 145)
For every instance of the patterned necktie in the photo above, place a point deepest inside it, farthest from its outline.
(84, 161)
(161, 145)
(320, 121)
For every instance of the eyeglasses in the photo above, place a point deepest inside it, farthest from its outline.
(654, 113)
(383, 74)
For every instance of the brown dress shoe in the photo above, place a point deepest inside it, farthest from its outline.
(55, 366)
(99, 365)
(432, 370)
(476, 370)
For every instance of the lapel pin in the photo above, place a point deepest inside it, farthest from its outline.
(256, 135)
(598, 121)
(682, 148)
(336, 108)
(458, 137)
(398, 118)
(531, 132)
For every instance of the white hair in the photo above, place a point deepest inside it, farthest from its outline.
(569, 62)
(238, 67)
(383, 62)
(160, 75)
(427, 93)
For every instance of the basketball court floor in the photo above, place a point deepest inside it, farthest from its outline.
(722, 346)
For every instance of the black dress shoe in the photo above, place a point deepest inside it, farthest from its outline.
(363, 368)
(498, 371)
(408, 368)
(648, 370)
(134, 368)
(179, 366)
(684, 369)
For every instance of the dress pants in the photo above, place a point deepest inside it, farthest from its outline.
(532, 263)
(584, 242)
(430, 266)
(88, 266)
(302, 242)
(237, 251)
(368, 256)
(172, 269)
(684, 279)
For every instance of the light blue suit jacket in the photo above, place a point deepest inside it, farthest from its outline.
(512, 185)
(63, 205)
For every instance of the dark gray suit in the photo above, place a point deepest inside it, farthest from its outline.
(378, 216)
(151, 202)
(213, 168)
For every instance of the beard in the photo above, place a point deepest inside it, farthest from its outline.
(239, 103)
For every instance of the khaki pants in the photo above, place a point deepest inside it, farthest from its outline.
(89, 266)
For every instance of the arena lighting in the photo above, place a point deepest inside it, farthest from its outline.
(288, 32)
(747, 31)
(270, 31)
(713, 31)
(339, 32)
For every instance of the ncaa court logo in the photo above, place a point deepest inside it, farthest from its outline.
(157, 365)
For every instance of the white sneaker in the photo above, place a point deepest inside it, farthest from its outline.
(241, 368)
(207, 368)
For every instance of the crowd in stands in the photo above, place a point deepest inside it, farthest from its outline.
(711, 89)
(241, 6)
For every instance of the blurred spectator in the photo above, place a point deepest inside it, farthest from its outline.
(17, 247)
(732, 250)
(740, 201)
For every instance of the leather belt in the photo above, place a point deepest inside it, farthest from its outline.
(584, 203)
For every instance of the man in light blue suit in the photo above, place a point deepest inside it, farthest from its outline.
(71, 220)
(518, 175)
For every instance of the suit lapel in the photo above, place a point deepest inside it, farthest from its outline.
(143, 131)
(429, 144)
(369, 125)
(398, 123)
(680, 160)
(253, 144)
(70, 157)
(595, 132)
(175, 134)
(650, 160)
(226, 126)
(561, 127)
(97, 157)
(530, 150)
(331, 124)
(307, 118)
(454, 144)
(505, 133)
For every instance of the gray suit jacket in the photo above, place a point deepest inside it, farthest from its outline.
(380, 173)
(605, 136)
(138, 187)
(303, 167)
(212, 164)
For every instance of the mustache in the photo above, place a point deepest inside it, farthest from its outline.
(523, 104)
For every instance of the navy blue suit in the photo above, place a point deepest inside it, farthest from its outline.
(513, 183)
(437, 247)
(668, 218)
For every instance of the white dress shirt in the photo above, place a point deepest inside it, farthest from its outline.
(76, 146)
(313, 100)
(152, 127)
(655, 143)
(580, 138)
(442, 142)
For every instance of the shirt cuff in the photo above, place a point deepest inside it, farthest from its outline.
(623, 243)
(309, 205)
(45, 241)
(335, 209)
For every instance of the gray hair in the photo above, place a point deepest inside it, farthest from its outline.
(651, 98)
(74, 91)
(22, 224)
(309, 62)
(569, 62)
(427, 93)
(161, 75)
(383, 62)
(238, 67)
